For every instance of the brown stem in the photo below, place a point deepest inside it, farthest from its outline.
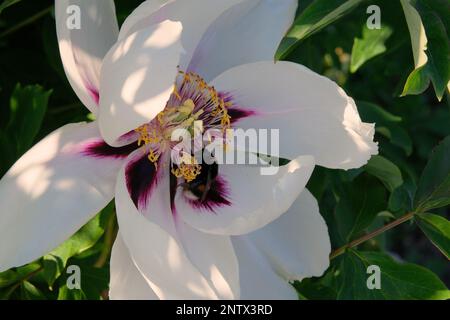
(371, 235)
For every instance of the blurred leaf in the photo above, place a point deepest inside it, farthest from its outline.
(369, 46)
(27, 109)
(374, 113)
(13, 276)
(85, 238)
(428, 15)
(94, 282)
(65, 293)
(386, 171)
(30, 292)
(438, 121)
(437, 229)
(319, 14)
(398, 280)
(386, 124)
(433, 190)
(7, 3)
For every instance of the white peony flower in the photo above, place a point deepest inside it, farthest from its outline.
(187, 231)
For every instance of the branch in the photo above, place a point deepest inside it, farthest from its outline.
(26, 22)
(371, 235)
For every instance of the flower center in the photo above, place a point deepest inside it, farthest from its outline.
(192, 102)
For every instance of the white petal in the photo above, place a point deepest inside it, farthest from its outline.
(258, 280)
(137, 78)
(247, 32)
(195, 16)
(254, 199)
(297, 244)
(312, 113)
(156, 252)
(141, 17)
(82, 50)
(214, 256)
(126, 282)
(51, 192)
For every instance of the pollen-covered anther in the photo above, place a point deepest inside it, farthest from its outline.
(194, 106)
(217, 107)
(152, 156)
(187, 171)
(147, 135)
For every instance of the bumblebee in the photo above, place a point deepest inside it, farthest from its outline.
(201, 186)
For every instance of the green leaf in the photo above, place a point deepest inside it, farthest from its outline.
(433, 190)
(374, 113)
(388, 173)
(387, 124)
(13, 276)
(417, 82)
(428, 15)
(399, 281)
(316, 16)
(416, 32)
(401, 199)
(369, 46)
(85, 238)
(30, 292)
(7, 3)
(27, 109)
(437, 229)
(322, 288)
(94, 283)
(65, 293)
(359, 202)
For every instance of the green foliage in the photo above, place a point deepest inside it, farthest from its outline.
(47, 278)
(401, 199)
(55, 262)
(433, 15)
(369, 46)
(387, 124)
(27, 108)
(359, 202)
(398, 280)
(433, 190)
(316, 16)
(94, 284)
(386, 171)
(437, 230)
(11, 277)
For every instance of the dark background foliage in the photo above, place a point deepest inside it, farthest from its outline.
(36, 98)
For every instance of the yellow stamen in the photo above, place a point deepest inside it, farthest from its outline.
(187, 171)
(160, 117)
(183, 114)
(152, 156)
(175, 92)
